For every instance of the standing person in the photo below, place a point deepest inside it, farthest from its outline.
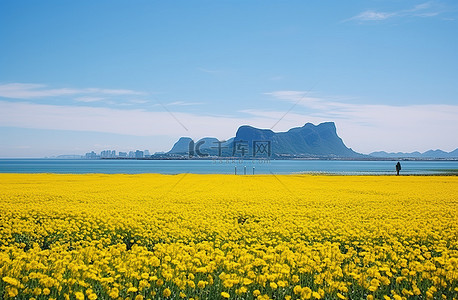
(398, 168)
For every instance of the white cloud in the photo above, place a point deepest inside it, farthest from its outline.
(111, 91)
(302, 98)
(29, 90)
(32, 91)
(373, 16)
(89, 99)
(427, 9)
(368, 128)
(365, 128)
(138, 101)
(119, 121)
(183, 103)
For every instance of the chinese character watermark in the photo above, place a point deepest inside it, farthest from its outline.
(234, 151)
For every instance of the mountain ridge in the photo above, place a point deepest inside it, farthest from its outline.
(308, 141)
(430, 154)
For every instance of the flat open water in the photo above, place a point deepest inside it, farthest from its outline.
(109, 166)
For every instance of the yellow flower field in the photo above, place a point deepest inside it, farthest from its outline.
(225, 236)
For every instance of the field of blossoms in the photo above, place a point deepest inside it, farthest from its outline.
(224, 236)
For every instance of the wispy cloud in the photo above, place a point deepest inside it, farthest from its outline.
(138, 101)
(136, 122)
(370, 15)
(365, 128)
(183, 103)
(306, 98)
(425, 10)
(34, 91)
(89, 99)
(383, 127)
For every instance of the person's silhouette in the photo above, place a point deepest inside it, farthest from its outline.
(398, 168)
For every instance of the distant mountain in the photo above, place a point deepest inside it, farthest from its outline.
(431, 154)
(308, 141)
(206, 146)
(181, 146)
(383, 154)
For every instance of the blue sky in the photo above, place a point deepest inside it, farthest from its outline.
(77, 76)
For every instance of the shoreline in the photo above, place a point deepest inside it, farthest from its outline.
(236, 159)
(314, 174)
(237, 167)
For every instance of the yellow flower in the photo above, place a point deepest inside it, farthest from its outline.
(12, 292)
(385, 280)
(372, 288)
(11, 281)
(37, 291)
(375, 282)
(77, 231)
(166, 293)
(225, 295)
(114, 293)
(143, 284)
(139, 297)
(341, 296)
(79, 296)
(306, 293)
(400, 279)
(92, 296)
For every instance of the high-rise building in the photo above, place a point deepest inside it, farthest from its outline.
(138, 154)
(91, 155)
(108, 154)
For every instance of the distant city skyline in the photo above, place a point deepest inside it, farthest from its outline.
(89, 76)
(115, 154)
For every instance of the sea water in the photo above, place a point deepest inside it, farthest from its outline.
(224, 166)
